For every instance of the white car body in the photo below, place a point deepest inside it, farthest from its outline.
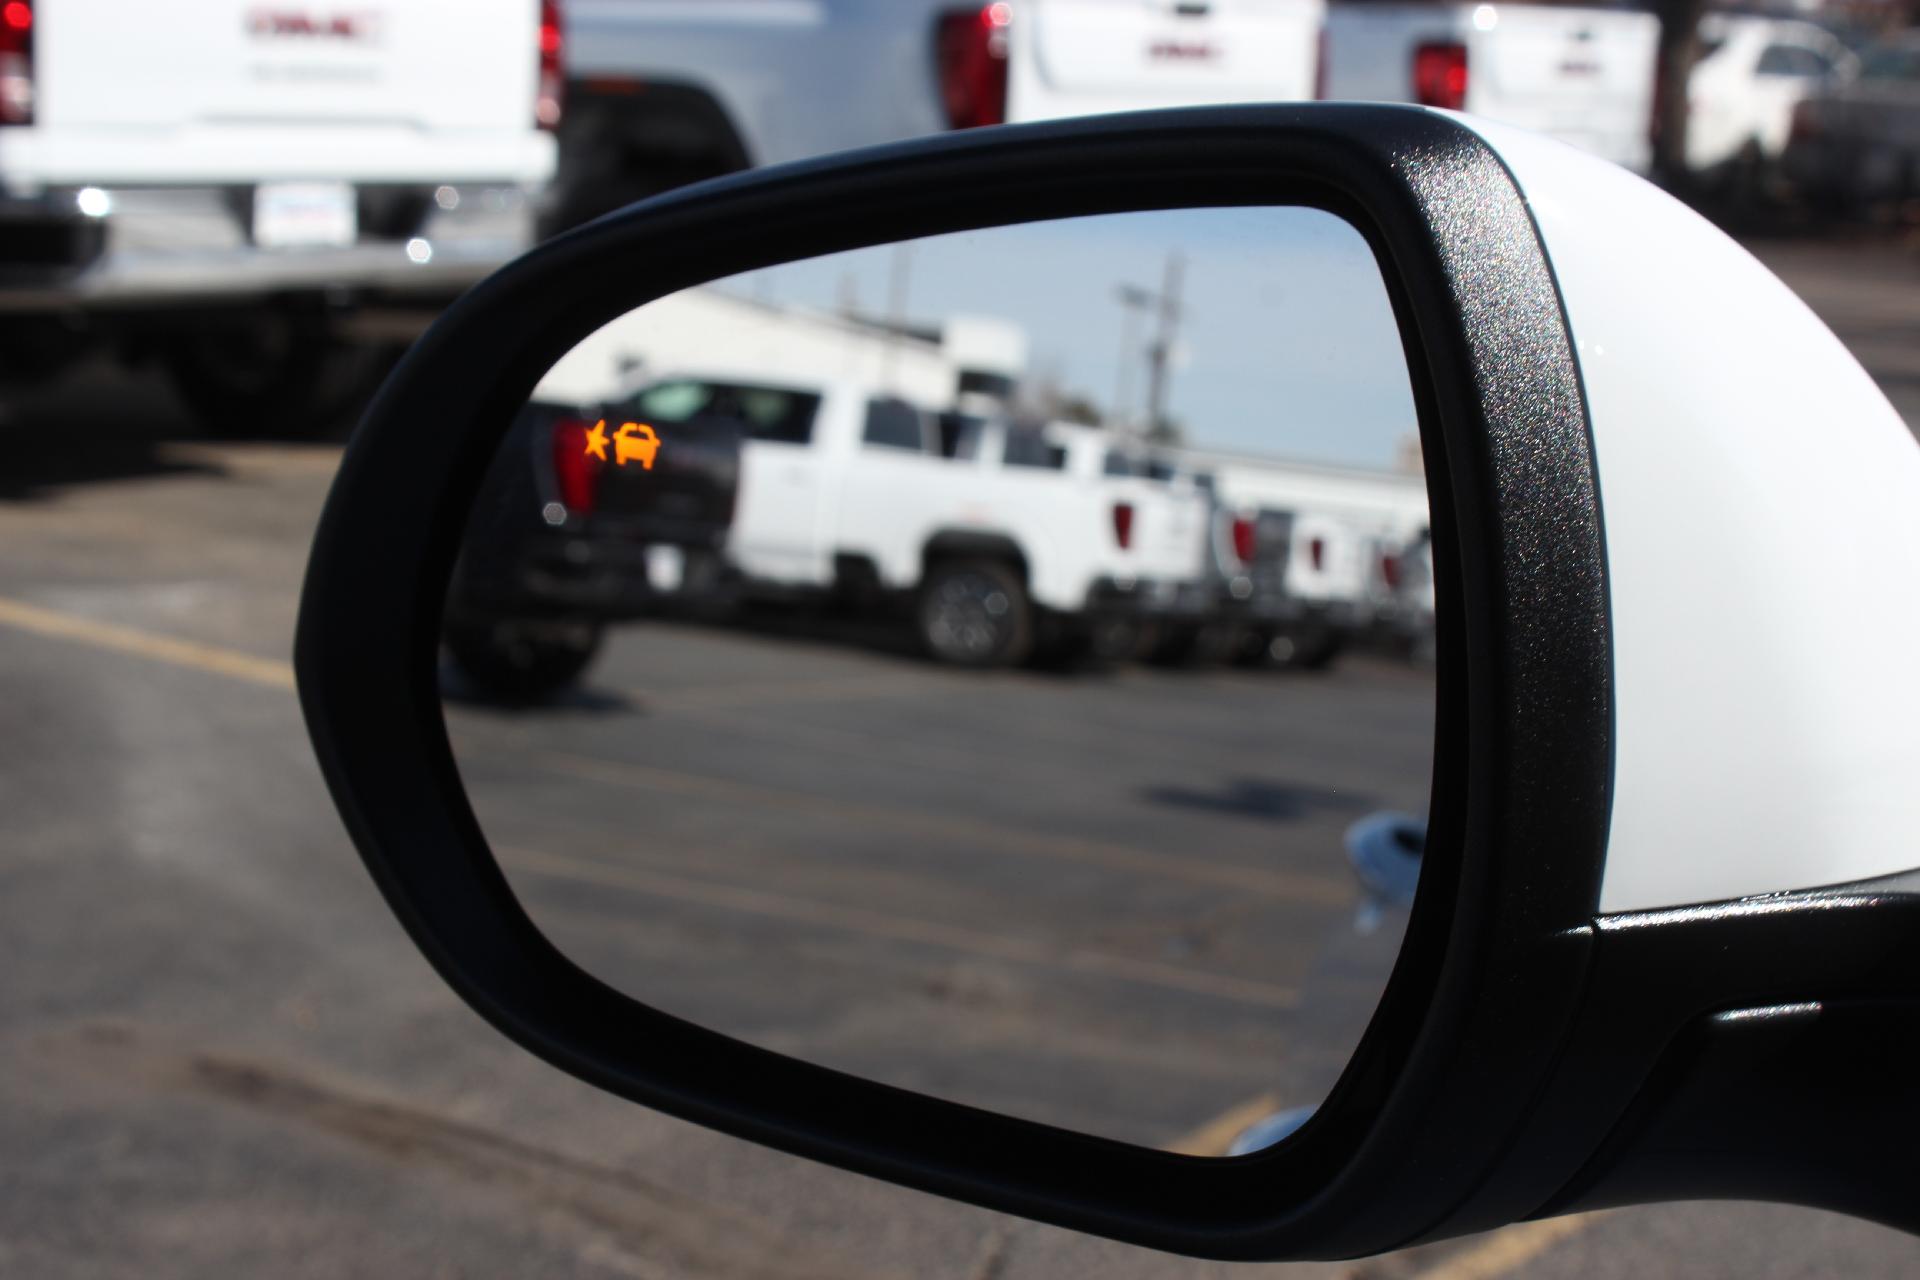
(1743, 90)
(1581, 75)
(225, 149)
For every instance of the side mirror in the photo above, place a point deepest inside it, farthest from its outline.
(1665, 938)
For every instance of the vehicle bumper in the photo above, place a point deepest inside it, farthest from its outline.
(1152, 600)
(147, 246)
(602, 579)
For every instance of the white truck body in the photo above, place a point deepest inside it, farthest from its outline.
(668, 91)
(803, 508)
(224, 149)
(1581, 75)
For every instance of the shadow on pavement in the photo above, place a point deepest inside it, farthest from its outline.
(1254, 798)
(98, 422)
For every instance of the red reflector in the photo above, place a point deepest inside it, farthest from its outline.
(576, 473)
(1243, 539)
(1440, 75)
(550, 95)
(1317, 552)
(970, 52)
(1123, 524)
(17, 15)
(1390, 571)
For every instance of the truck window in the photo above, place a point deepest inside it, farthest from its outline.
(1792, 60)
(960, 435)
(894, 424)
(1031, 449)
(775, 414)
(1118, 463)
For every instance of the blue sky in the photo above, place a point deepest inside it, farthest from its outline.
(1289, 340)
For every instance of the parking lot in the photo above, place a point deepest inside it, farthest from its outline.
(1111, 900)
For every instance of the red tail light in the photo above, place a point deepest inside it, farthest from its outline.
(1317, 552)
(576, 473)
(970, 53)
(16, 62)
(1320, 65)
(1390, 571)
(1123, 524)
(1440, 75)
(551, 94)
(1243, 539)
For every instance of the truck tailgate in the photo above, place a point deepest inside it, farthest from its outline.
(1582, 75)
(1094, 55)
(427, 65)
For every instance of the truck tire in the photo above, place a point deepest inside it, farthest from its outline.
(273, 377)
(520, 662)
(974, 613)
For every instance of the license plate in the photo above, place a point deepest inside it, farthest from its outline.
(304, 215)
(666, 568)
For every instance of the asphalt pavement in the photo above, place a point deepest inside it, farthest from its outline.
(1111, 900)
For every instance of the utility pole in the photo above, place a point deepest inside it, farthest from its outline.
(1133, 300)
(1160, 355)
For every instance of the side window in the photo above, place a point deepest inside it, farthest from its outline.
(1792, 60)
(1031, 449)
(1890, 62)
(1116, 464)
(894, 424)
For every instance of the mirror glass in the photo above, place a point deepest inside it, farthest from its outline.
(998, 665)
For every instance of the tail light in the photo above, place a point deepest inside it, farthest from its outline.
(1243, 547)
(16, 62)
(1320, 65)
(576, 473)
(1390, 571)
(1123, 524)
(1440, 75)
(970, 53)
(551, 94)
(1317, 553)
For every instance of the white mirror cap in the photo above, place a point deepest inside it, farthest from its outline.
(1761, 500)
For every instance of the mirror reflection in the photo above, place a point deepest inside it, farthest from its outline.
(998, 665)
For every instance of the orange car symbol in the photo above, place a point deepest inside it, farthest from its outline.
(635, 442)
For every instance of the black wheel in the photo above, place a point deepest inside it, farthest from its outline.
(510, 661)
(273, 377)
(974, 613)
(1306, 648)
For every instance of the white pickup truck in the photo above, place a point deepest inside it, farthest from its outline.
(1582, 75)
(1011, 538)
(222, 184)
(665, 92)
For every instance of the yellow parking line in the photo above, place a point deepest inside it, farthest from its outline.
(1509, 1248)
(895, 928)
(213, 659)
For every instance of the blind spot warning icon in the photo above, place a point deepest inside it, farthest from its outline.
(633, 442)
